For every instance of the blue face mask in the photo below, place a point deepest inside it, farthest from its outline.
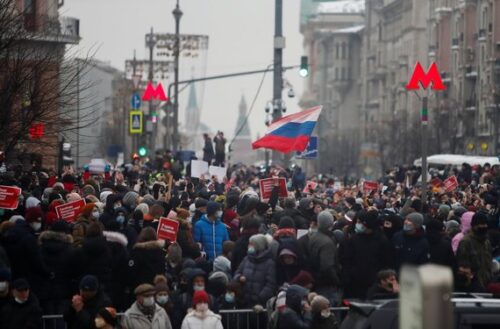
(120, 219)
(359, 228)
(251, 251)
(229, 298)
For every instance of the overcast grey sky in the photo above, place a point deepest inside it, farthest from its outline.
(241, 37)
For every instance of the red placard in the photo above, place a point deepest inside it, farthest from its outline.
(230, 183)
(69, 211)
(310, 185)
(450, 184)
(369, 186)
(9, 197)
(266, 187)
(167, 229)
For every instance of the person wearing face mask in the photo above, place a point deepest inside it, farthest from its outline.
(23, 309)
(210, 232)
(475, 248)
(106, 318)
(411, 245)
(364, 254)
(201, 317)
(34, 217)
(163, 295)
(322, 317)
(145, 313)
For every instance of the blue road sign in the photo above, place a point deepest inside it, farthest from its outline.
(135, 101)
(311, 151)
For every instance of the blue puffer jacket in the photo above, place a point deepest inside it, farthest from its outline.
(211, 235)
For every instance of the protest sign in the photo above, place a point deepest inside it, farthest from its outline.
(266, 187)
(310, 185)
(450, 184)
(167, 229)
(70, 211)
(369, 186)
(9, 197)
(219, 172)
(198, 168)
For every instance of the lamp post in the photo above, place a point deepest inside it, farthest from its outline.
(279, 44)
(175, 136)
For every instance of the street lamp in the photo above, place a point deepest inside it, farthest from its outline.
(177, 15)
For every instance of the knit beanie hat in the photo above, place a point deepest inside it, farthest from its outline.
(200, 297)
(88, 190)
(182, 213)
(130, 199)
(444, 209)
(259, 241)
(149, 200)
(479, 218)
(319, 303)
(104, 196)
(325, 220)
(109, 315)
(370, 219)
(452, 224)
(89, 282)
(416, 218)
(305, 203)
(143, 207)
(212, 208)
(286, 222)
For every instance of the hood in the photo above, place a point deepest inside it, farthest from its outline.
(110, 201)
(261, 256)
(465, 222)
(116, 237)
(149, 245)
(95, 245)
(294, 296)
(55, 236)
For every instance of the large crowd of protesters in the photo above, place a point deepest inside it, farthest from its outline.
(289, 259)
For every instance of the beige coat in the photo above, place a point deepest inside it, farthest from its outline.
(135, 319)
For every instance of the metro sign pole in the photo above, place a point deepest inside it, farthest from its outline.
(423, 79)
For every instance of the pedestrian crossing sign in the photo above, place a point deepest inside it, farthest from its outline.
(135, 122)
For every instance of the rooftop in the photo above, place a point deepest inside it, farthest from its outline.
(340, 7)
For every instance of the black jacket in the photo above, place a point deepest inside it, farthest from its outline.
(293, 317)
(410, 249)
(85, 319)
(240, 248)
(318, 322)
(26, 316)
(97, 259)
(440, 251)
(117, 244)
(362, 257)
(147, 259)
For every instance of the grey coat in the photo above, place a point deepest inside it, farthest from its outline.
(324, 259)
(260, 273)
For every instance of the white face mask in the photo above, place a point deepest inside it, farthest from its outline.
(36, 226)
(325, 313)
(218, 214)
(148, 301)
(19, 301)
(202, 307)
(100, 323)
(197, 287)
(162, 300)
(96, 214)
(4, 286)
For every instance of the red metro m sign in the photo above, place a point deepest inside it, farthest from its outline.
(424, 79)
(154, 93)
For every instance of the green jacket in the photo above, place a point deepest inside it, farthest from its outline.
(476, 252)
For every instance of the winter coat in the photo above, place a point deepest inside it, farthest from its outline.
(211, 235)
(85, 318)
(135, 319)
(362, 257)
(477, 253)
(293, 317)
(325, 265)
(79, 230)
(117, 244)
(284, 272)
(195, 321)
(410, 249)
(260, 273)
(208, 151)
(61, 258)
(441, 251)
(97, 260)
(26, 316)
(465, 226)
(147, 259)
(301, 222)
(185, 240)
(25, 257)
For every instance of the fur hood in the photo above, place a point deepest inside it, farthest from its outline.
(150, 245)
(52, 235)
(116, 237)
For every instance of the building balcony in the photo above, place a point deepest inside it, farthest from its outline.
(482, 35)
(470, 73)
(470, 104)
(52, 29)
(455, 44)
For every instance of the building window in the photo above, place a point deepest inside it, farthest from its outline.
(342, 74)
(337, 51)
(336, 73)
(344, 50)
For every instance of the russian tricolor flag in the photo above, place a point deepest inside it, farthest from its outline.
(290, 133)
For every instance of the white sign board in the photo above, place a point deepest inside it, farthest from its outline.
(199, 168)
(219, 172)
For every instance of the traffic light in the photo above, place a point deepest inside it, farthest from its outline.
(304, 67)
(67, 159)
(143, 151)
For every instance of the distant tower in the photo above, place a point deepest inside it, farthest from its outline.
(192, 122)
(242, 145)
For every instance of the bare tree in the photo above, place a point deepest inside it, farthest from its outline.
(39, 84)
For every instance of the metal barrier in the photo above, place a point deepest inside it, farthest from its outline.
(231, 319)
